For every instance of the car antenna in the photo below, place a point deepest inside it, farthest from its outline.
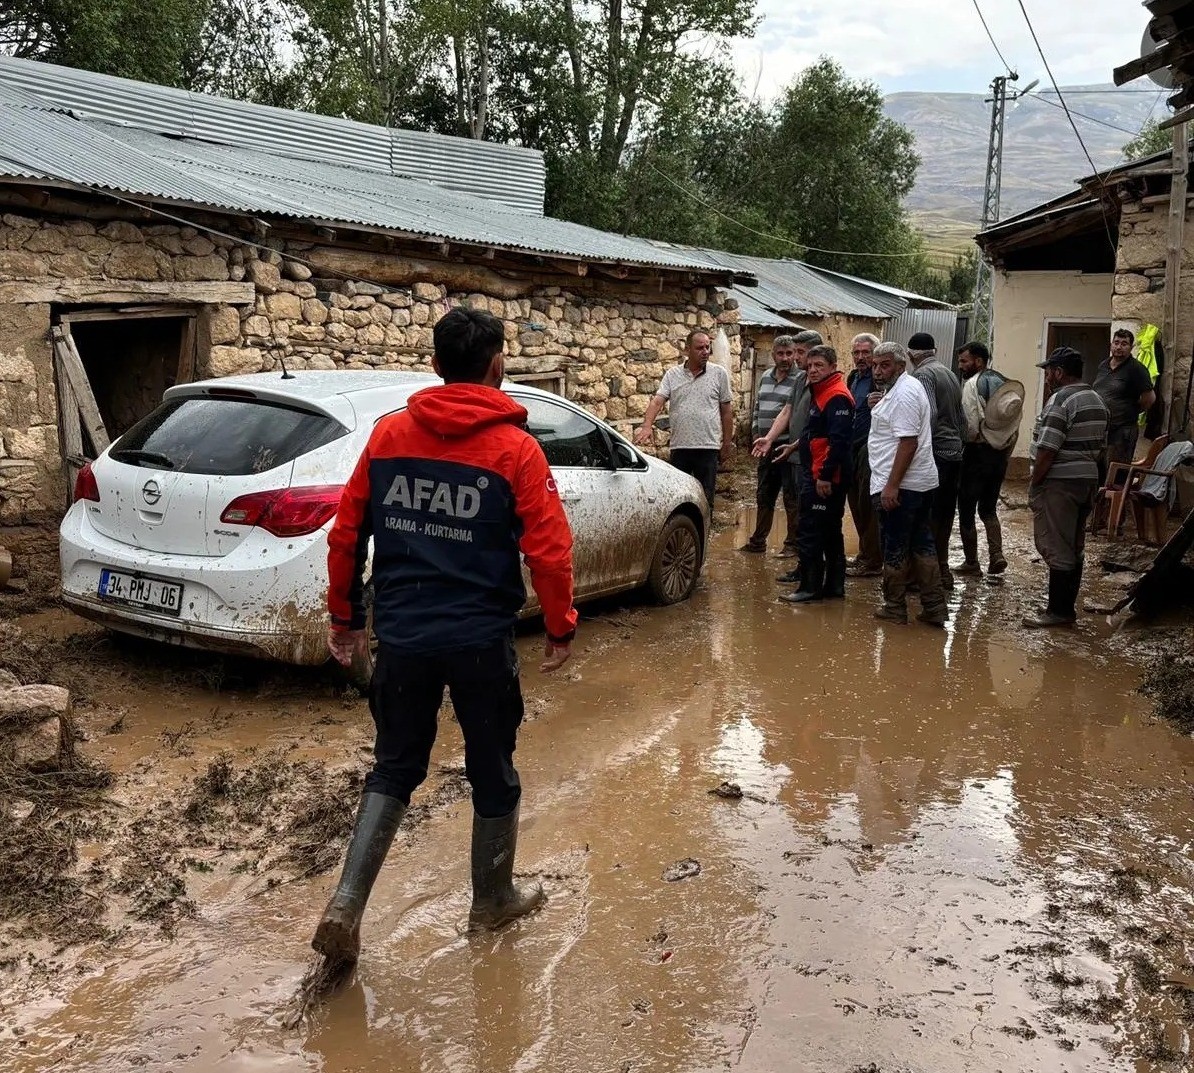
(286, 373)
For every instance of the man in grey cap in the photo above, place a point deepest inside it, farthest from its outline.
(1067, 443)
(949, 425)
(790, 422)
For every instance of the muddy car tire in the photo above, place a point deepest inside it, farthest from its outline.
(677, 562)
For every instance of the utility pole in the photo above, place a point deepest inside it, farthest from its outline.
(984, 326)
(1175, 422)
(383, 56)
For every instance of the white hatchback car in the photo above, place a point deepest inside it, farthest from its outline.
(206, 523)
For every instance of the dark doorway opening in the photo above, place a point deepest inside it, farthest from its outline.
(1092, 341)
(130, 361)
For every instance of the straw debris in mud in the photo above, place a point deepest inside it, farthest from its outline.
(1170, 684)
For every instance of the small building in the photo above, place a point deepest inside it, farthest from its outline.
(150, 236)
(1073, 270)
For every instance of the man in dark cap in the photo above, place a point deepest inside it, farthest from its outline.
(949, 425)
(1070, 436)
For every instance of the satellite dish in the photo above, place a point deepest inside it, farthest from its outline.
(1148, 45)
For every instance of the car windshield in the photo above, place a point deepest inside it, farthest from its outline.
(225, 436)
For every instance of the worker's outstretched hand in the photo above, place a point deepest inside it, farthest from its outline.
(345, 645)
(555, 656)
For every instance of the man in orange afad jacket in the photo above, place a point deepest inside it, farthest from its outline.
(450, 491)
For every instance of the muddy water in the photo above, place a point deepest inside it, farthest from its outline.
(958, 850)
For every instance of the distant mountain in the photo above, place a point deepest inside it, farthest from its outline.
(1041, 156)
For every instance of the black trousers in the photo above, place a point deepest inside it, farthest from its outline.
(983, 472)
(774, 478)
(820, 542)
(945, 508)
(405, 697)
(701, 463)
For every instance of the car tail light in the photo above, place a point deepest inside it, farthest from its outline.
(286, 512)
(86, 486)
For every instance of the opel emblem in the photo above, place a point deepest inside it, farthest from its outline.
(151, 492)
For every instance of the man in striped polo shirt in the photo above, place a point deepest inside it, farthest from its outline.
(774, 393)
(1070, 435)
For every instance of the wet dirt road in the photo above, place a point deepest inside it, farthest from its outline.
(960, 850)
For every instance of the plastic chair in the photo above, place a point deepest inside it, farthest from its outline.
(1114, 494)
(1150, 504)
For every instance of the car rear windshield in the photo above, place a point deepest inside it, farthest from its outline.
(230, 437)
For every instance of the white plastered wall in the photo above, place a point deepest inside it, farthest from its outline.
(1025, 304)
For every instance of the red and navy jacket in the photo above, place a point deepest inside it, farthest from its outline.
(450, 491)
(825, 444)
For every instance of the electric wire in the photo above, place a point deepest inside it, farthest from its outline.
(768, 234)
(1084, 115)
(991, 37)
(1074, 126)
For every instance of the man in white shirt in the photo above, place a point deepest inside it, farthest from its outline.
(903, 477)
(701, 409)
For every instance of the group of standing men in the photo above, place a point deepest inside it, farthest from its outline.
(902, 442)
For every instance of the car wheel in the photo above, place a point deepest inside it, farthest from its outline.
(677, 562)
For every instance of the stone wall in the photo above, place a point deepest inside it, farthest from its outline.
(1139, 287)
(611, 342)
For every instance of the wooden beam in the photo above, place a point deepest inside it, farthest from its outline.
(70, 364)
(128, 313)
(1173, 269)
(403, 271)
(124, 292)
(187, 353)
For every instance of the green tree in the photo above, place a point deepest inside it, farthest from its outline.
(1151, 139)
(148, 40)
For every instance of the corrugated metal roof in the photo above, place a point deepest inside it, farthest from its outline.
(56, 147)
(756, 315)
(880, 294)
(790, 288)
(508, 174)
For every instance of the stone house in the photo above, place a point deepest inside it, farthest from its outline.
(136, 259)
(1071, 271)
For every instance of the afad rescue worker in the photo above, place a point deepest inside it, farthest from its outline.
(825, 461)
(450, 491)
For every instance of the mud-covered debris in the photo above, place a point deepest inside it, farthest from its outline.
(682, 869)
(731, 791)
(1170, 684)
(320, 982)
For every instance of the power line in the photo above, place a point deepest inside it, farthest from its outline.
(1084, 115)
(990, 37)
(767, 234)
(1074, 126)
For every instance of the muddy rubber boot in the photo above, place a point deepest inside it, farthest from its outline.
(1060, 609)
(895, 600)
(835, 577)
(812, 585)
(496, 899)
(338, 936)
(970, 565)
(791, 577)
(997, 563)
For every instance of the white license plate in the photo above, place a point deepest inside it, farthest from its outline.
(147, 593)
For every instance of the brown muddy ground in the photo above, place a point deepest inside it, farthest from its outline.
(960, 850)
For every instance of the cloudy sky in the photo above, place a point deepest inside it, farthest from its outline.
(940, 44)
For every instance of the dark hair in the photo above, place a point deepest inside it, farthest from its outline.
(693, 334)
(1073, 364)
(976, 350)
(825, 351)
(466, 341)
(1123, 333)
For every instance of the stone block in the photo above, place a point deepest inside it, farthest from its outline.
(637, 405)
(429, 292)
(122, 231)
(400, 317)
(420, 313)
(339, 301)
(38, 443)
(282, 306)
(232, 360)
(212, 266)
(20, 264)
(1145, 308)
(380, 314)
(223, 324)
(314, 311)
(340, 331)
(256, 325)
(199, 246)
(396, 299)
(1131, 283)
(132, 262)
(264, 276)
(357, 318)
(308, 333)
(46, 240)
(304, 290)
(296, 271)
(372, 335)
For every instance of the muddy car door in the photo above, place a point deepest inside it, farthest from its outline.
(607, 507)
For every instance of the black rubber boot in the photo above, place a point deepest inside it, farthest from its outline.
(997, 562)
(970, 565)
(835, 577)
(338, 936)
(496, 900)
(1063, 595)
(812, 585)
(795, 576)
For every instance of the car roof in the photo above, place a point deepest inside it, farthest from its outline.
(370, 393)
